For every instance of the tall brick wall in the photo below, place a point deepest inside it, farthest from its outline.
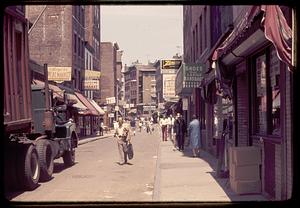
(51, 39)
(107, 71)
(242, 105)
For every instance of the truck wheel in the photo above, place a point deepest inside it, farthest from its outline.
(69, 157)
(29, 172)
(45, 159)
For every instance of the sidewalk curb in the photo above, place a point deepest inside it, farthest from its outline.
(156, 188)
(84, 141)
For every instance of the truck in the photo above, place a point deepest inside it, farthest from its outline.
(37, 128)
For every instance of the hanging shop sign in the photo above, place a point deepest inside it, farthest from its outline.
(90, 74)
(59, 74)
(110, 100)
(189, 76)
(91, 84)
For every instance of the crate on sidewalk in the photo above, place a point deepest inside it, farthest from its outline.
(245, 186)
(245, 172)
(249, 155)
(244, 169)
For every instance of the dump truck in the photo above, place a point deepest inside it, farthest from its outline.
(37, 128)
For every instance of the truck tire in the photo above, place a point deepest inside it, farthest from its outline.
(69, 157)
(29, 168)
(45, 159)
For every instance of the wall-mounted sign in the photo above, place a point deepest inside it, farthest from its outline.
(111, 100)
(111, 115)
(59, 74)
(169, 85)
(91, 84)
(185, 104)
(90, 74)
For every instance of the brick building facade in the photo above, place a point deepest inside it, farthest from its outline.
(243, 70)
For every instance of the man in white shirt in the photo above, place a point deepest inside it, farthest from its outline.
(164, 125)
(123, 135)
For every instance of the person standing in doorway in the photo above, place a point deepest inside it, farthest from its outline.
(194, 133)
(123, 138)
(180, 130)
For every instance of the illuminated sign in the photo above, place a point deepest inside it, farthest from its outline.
(170, 65)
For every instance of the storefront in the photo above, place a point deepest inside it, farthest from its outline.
(261, 94)
(88, 120)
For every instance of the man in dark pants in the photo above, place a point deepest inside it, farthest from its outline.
(180, 130)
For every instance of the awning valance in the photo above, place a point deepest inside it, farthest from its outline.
(98, 108)
(238, 30)
(79, 105)
(91, 110)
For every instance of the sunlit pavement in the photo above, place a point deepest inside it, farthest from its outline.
(181, 178)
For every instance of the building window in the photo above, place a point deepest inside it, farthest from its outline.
(261, 95)
(200, 32)
(267, 94)
(75, 43)
(205, 27)
(79, 46)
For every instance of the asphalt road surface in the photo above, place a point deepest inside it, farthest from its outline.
(97, 176)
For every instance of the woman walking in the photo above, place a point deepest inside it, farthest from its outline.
(194, 131)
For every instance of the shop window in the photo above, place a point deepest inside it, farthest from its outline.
(261, 95)
(267, 95)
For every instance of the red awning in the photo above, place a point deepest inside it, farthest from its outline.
(91, 110)
(239, 29)
(278, 32)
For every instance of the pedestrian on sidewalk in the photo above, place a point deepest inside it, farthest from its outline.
(171, 126)
(101, 128)
(123, 138)
(194, 135)
(180, 130)
(163, 124)
(132, 124)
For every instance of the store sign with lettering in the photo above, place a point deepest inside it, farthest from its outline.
(59, 74)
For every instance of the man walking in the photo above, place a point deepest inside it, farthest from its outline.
(180, 130)
(194, 131)
(133, 124)
(123, 138)
(163, 124)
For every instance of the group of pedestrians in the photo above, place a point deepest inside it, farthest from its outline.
(176, 130)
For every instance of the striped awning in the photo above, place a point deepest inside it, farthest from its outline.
(91, 109)
(98, 108)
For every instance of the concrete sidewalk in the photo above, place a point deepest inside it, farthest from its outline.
(181, 178)
(84, 140)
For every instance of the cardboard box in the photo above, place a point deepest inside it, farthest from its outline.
(245, 186)
(248, 155)
(246, 172)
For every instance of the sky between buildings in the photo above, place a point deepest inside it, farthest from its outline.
(143, 32)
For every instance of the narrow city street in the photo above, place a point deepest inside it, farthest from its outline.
(96, 176)
(157, 173)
